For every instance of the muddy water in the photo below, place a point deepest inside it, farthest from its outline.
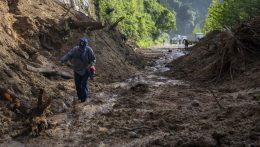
(73, 126)
(151, 75)
(83, 113)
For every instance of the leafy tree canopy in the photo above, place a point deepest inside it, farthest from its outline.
(230, 13)
(146, 21)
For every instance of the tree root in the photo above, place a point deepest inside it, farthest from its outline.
(38, 120)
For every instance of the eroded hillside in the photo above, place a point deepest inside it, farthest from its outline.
(34, 35)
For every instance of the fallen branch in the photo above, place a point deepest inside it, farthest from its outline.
(49, 72)
(41, 106)
(133, 129)
(216, 99)
(116, 23)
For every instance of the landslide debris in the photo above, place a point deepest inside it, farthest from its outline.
(223, 68)
(34, 34)
(223, 55)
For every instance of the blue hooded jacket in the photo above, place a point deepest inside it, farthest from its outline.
(81, 57)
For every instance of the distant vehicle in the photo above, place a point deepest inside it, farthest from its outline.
(184, 37)
(195, 37)
(199, 35)
(177, 39)
(174, 40)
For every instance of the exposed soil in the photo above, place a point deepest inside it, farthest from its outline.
(128, 107)
(229, 57)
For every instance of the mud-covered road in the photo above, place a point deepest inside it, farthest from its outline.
(149, 109)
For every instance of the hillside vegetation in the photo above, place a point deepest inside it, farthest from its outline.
(229, 13)
(145, 21)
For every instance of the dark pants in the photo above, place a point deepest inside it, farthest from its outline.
(186, 46)
(81, 86)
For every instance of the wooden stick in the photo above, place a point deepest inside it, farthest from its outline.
(49, 72)
(215, 97)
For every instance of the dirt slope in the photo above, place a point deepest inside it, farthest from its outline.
(224, 56)
(36, 33)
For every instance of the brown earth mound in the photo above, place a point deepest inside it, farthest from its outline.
(223, 55)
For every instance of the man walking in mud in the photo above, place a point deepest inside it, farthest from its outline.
(186, 43)
(83, 59)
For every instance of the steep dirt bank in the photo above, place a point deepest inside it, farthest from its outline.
(34, 35)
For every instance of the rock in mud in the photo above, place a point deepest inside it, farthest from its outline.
(218, 136)
(195, 103)
(133, 134)
(140, 88)
(103, 130)
(60, 106)
(61, 87)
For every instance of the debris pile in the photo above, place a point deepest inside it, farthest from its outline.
(222, 55)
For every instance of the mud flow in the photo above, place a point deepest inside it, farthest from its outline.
(152, 74)
(148, 109)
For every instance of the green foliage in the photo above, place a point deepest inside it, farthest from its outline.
(230, 13)
(214, 14)
(149, 42)
(197, 29)
(145, 21)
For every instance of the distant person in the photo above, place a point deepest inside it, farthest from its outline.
(186, 43)
(83, 59)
